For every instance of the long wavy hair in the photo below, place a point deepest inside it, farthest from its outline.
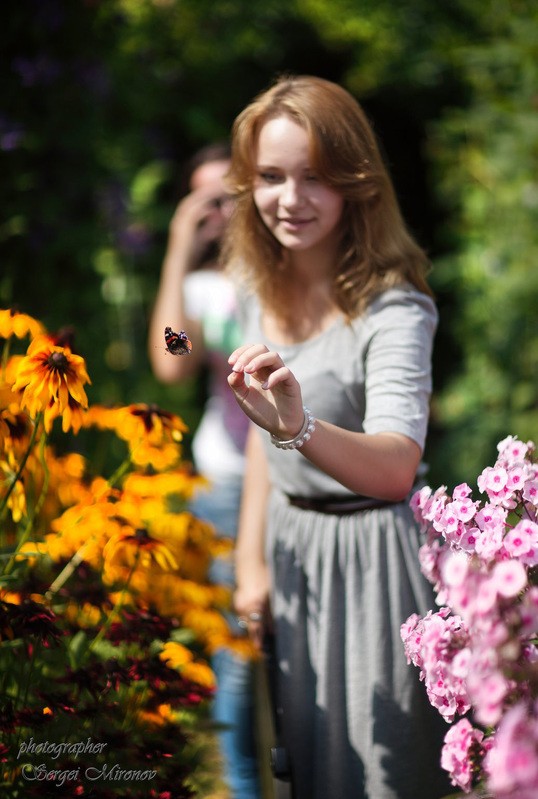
(375, 252)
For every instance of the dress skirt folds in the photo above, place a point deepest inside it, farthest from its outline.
(344, 585)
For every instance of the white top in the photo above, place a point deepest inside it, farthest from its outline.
(219, 441)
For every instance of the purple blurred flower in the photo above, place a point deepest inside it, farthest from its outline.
(134, 239)
(49, 14)
(39, 71)
(11, 133)
(94, 77)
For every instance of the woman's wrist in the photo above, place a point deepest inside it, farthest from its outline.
(304, 434)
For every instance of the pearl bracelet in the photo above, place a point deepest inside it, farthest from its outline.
(309, 425)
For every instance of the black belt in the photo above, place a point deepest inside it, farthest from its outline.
(339, 505)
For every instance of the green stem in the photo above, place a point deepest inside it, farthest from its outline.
(78, 557)
(117, 607)
(66, 573)
(22, 464)
(120, 471)
(135, 702)
(33, 662)
(5, 355)
(37, 507)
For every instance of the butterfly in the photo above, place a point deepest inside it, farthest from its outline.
(177, 343)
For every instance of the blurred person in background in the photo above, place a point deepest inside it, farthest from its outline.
(195, 296)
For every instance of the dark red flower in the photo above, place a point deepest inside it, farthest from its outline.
(98, 678)
(7, 717)
(86, 586)
(58, 703)
(141, 626)
(168, 685)
(33, 718)
(29, 619)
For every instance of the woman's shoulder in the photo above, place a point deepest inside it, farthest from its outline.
(402, 298)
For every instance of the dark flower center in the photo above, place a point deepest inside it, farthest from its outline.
(142, 536)
(147, 413)
(58, 361)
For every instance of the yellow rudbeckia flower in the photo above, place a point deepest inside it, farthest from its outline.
(152, 434)
(175, 655)
(136, 547)
(52, 380)
(17, 498)
(161, 716)
(13, 323)
(178, 657)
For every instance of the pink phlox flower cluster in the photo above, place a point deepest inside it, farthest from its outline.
(491, 523)
(462, 753)
(429, 556)
(427, 507)
(511, 764)
(436, 644)
(529, 614)
(513, 476)
(487, 599)
(512, 449)
(480, 650)
(476, 590)
(454, 522)
(521, 542)
(487, 686)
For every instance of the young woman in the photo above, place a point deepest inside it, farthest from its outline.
(336, 379)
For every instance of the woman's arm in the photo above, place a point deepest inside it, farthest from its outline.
(191, 226)
(381, 465)
(252, 574)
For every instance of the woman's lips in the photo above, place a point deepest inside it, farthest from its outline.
(294, 224)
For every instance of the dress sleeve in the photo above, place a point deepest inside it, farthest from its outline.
(401, 326)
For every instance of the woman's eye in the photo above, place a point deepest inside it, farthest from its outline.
(269, 177)
(312, 177)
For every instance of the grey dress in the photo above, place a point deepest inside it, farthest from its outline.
(356, 721)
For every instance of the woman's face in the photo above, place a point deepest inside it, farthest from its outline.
(300, 210)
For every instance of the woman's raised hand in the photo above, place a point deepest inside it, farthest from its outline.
(266, 390)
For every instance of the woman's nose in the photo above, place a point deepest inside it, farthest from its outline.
(291, 193)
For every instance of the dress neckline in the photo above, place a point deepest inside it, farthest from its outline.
(311, 340)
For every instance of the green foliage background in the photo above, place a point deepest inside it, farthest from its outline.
(101, 101)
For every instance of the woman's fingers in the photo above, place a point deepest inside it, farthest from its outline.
(282, 377)
(241, 359)
(256, 623)
(260, 364)
(256, 630)
(266, 389)
(237, 354)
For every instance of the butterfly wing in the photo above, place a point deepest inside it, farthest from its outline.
(177, 343)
